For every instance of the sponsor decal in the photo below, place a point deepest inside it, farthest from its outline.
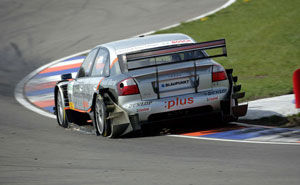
(213, 98)
(215, 92)
(175, 83)
(182, 41)
(139, 104)
(178, 102)
(153, 45)
(146, 109)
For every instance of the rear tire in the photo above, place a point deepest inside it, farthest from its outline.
(102, 125)
(61, 114)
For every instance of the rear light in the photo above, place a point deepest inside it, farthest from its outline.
(218, 73)
(127, 87)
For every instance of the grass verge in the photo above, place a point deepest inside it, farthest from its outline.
(263, 41)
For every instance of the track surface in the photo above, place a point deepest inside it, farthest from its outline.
(33, 150)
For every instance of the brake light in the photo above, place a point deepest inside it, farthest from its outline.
(218, 74)
(127, 87)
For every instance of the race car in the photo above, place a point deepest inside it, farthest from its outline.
(125, 84)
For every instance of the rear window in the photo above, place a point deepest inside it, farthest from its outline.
(172, 58)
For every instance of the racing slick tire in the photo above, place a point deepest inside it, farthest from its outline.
(61, 114)
(102, 125)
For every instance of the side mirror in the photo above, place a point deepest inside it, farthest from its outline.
(66, 76)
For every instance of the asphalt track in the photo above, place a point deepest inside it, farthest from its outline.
(34, 150)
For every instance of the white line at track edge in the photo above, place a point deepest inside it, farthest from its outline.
(236, 141)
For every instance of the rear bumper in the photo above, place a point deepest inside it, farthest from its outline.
(189, 105)
(205, 111)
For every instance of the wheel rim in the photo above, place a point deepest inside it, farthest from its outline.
(100, 117)
(60, 109)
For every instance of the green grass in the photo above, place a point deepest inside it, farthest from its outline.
(263, 43)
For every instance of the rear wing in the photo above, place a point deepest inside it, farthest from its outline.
(138, 60)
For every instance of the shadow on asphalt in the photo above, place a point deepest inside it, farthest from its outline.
(179, 127)
(274, 121)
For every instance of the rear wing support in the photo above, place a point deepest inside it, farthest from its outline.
(157, 81)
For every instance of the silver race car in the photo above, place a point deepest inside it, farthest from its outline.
(124, 84)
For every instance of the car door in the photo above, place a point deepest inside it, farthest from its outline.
(83, 74)
(99, 72)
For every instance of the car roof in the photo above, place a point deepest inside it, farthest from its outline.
(145, 42)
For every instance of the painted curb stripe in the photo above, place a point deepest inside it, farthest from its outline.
(81, 57)
(266, 135)
(63, 63)
(42, 97)
(237, 134)
(39, 92)
(57, 73)
(49, 109)
(249, 133)
(238, 141)
(40, 86)
(45, 103)
(60, 68)
(208, 132)
(55, 78)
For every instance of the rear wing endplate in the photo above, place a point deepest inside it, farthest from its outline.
(125, 60)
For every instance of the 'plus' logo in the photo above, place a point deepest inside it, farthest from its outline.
(178, 102)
